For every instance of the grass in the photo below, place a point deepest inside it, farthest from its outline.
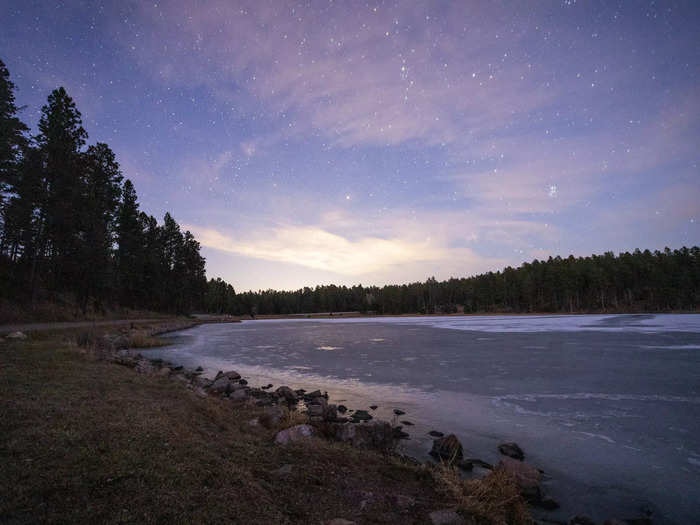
(87, 440)
(495, 499)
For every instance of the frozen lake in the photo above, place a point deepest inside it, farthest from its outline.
(608, 406)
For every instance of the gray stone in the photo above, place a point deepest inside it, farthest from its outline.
(287, 393)
(479, 463)
(511, 450)
(272, 416)
(16, 335)
(294, 434)
(446, 517)
(221, 385)
(448, 448)
(526, 476)
(231, 374)
(376, 435)
(315, 410)
(238, 395)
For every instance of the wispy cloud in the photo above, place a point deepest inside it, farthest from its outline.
(322, 250)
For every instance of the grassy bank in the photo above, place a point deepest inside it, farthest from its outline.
(87, 440)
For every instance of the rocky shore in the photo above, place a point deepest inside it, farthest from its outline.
(316, 418)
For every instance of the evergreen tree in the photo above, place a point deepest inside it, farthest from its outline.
(130, 248)
(13, 142)
(61, 137)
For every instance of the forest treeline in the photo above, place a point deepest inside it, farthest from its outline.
(71, 231)
(642, 281)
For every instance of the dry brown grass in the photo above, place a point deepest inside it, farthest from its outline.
(494, 499)
(144, 340)
(89, 441)
(293, 418)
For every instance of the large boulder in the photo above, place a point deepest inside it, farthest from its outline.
(224, 382)
(526, 476)
(273, 416)
(231, 374)
(294, 434)
(377, 435)
(287, 394)
(511, 450)
(447, 448)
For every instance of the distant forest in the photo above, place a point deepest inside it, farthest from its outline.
(631, 282)
(71, 233)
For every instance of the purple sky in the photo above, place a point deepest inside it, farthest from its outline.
(353, 142)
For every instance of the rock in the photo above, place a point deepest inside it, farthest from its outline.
(399, 412)
(319, 400)
(376, 435)
(466, 465)
(199, 369)
(20, 336)
(144, 366)
(315, 411)
(436, 434)
(165, 371)
(581, 520)
(511, 450)
(231, 374)
(284, 470)
(288, 394)
(239, 395)
(315, 393)
(373, 407)
(400, 434)
(407, 423)
(272, 416)
(342, 409)
(222, 385)
(267, 387)
(331, 413)
(294, 434)
(242, 382)
(446, 517)
(448, 448)
(526, 476)
(548, 503)
(341, 521)
(361, 415)
(479, 463)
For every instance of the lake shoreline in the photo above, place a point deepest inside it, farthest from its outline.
(481, 441)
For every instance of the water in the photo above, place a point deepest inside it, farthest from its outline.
(607, 406)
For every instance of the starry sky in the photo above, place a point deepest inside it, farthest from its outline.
(350, 142)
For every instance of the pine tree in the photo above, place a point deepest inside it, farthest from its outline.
(60, 140)
(130, 250)
(13, 142)
(102, 191)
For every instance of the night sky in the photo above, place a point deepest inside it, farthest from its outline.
(348, 142)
